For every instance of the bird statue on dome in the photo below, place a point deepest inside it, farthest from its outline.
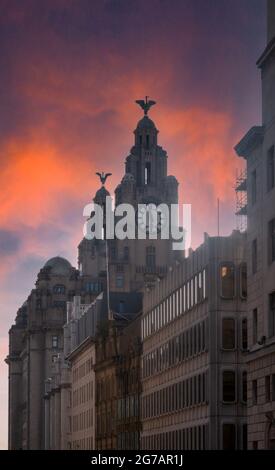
(103, 176)
(145, 104)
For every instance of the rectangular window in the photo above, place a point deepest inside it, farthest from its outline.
(229, 436)
(255, 326)
(244, 436)
(229, 386)
(119, 281)
(244, 334)
(244, 387)
(227, 279)
(272, 314)
(254, 256)
(254, 392)
(54, 342)
(267, 388)
(243, 281)
(271, 241)
(270, 169)
(228, 333)
(273, 386)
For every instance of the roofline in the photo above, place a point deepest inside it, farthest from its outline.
(252, 139)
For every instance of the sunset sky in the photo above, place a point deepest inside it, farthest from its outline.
(71, 71)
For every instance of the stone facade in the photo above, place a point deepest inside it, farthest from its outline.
(194, 349)
(257, 147)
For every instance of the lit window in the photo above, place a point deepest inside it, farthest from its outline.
(227, 277)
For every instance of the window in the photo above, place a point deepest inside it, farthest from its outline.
(59, 289)
(229, 386)
(121, 306)
(253, 187)
(229, 436)
(272, 314)
(273, 387)
(147, 141)
(244, 387)
(270, 169)
(243, 281)
(244, 334)
(255, 325)
(227, 276)
(150, 256)
(126, 253)
(54, 341)
(267, 388)
(254, 256)
(271, 241)
(255, 445)
(119, 281)
(244, 436)
(254, 392)
(93, 287)
(228, 333)
(147, 173)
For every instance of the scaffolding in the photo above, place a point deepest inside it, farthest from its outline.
(241, 200)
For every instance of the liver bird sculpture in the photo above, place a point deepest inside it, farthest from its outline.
(103, 176)
(145, 104)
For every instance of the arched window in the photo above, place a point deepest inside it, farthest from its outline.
(59, 289)
(243, 281)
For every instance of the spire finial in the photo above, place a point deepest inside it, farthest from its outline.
(145, 104)
(103, 176)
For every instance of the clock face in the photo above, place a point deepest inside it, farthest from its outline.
(150, 221)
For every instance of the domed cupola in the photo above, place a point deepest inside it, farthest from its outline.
(146, 131)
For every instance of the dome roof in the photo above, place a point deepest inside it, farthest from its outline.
(146, 122)
(59, 266)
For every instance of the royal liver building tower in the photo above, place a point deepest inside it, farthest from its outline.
(36, 338)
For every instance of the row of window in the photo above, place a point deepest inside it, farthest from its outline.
(229, 386)
(83, 394)
(86, 443)
(270, 175)
(93, 287)
(106, 388)
(106, 422)
(269, 389)
(179, 302)
(128, 407)
(83, 420)
(193, 438)
(184, 394)
(270, 247)
(271, 320)
(128, 440)
(82, 370)
(180, 348)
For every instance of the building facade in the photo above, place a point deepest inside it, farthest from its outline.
(257, 147)
(194, 333)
